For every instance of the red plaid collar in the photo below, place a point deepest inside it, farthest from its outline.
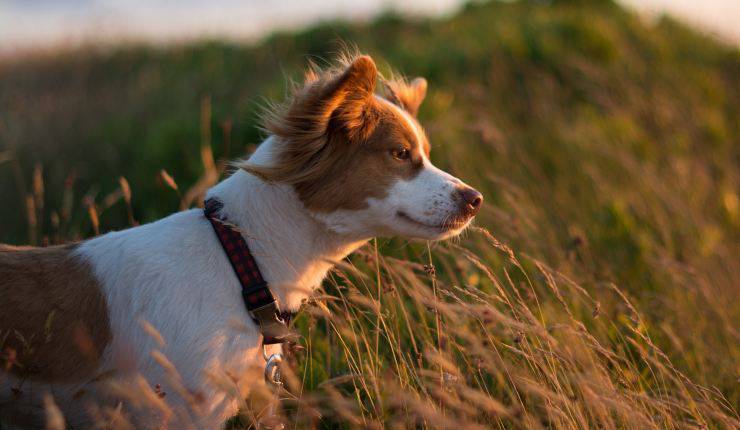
(261, 304)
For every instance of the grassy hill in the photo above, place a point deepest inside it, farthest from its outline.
(603, 291)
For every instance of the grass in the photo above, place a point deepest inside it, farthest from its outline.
(600, 288)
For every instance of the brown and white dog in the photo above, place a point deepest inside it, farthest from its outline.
(342, 165)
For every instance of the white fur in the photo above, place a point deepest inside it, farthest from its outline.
(174, 274)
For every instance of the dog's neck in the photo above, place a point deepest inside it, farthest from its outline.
(294, 250)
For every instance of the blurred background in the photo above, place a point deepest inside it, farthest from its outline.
(53, 23)
(604, 134)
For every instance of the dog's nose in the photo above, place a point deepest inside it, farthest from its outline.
(470, 200)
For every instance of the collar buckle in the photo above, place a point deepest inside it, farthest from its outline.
(273, 328)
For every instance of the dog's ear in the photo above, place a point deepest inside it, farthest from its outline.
(327, 105)
(348, 99)
(407, 95)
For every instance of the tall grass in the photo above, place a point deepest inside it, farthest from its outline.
(483, 337)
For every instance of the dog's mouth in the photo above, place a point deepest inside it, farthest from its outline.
(449, 225)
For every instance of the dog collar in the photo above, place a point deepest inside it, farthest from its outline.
(259, 300)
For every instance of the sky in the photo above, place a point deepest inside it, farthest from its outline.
(40, 24)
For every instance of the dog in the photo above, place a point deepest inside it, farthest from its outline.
(157, 310)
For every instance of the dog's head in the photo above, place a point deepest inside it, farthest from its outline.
(359, 161)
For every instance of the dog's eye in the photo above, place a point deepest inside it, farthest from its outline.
(401, 154)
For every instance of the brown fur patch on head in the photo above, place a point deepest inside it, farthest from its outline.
(53, 316)
(334, 136)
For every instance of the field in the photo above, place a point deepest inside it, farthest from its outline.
(600, 287)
